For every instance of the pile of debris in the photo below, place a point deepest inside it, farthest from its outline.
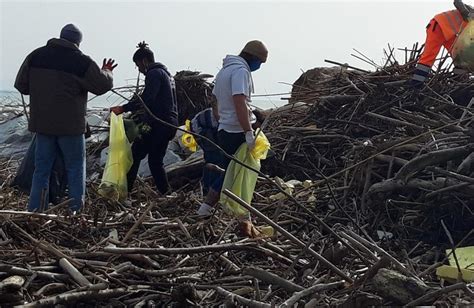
(378, 143)
(155, 251)
(194, 93)
(374, 188)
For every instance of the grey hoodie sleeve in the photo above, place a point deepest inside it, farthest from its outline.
(97, 80)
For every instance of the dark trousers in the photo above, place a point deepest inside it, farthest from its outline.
(229, 142)
(211, 155)
(153, 144)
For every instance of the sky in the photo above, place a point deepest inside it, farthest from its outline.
(196, 35)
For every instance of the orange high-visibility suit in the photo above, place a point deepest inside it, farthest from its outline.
(442, 30)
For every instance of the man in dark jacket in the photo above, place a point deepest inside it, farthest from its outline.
(159, 95)
(57, 77)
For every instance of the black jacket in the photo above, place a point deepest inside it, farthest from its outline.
(57, 77)
(160, 97)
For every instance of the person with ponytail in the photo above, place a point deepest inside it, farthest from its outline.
(159, 95)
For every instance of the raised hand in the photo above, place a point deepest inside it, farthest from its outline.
(108, 64)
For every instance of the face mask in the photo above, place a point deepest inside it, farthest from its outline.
(254, 64)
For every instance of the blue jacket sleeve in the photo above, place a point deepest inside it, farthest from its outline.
(132, 105)
(152, 87)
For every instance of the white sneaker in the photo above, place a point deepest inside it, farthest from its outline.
(205, 210)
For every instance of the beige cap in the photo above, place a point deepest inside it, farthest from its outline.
(256, 48)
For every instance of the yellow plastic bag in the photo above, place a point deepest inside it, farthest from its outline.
(241, 180)
(465, 256)
(119, 161)
(463, 49)
(188, 139)
(262, 145)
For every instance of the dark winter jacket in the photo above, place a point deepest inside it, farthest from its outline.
(57, 77)
(160, 97)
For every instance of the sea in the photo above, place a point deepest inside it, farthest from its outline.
(108, 100)
(15, 137)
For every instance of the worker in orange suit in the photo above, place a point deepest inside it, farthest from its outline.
(442, 30)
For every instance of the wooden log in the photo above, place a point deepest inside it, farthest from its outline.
(290, 302)
(71, 298)
(50, 288)
(272, 279)
(393, 121)
(393, 185)
(465, 188)
(451, 174)
(467, 165)
(364, 250)
(360, 299)
(12, 283)
(397, 287)
(345, 65)
(432, 158)
(414, 118)
(138, 222)
(432, 295)
(273, 254)
(157, 273)
(241, 300)
(93, 287)
(381, 251)
(178, 251)
(287, 234)
(372, 271)
(190, 168)
(74, 273)
(10, 269)
(11, 299)
(231, 266)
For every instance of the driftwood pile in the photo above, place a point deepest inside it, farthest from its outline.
(381, 194)
(194, 93)
(394, 156)
(155, 251)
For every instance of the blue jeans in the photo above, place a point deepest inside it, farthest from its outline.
(212, 155)
(209, 176)
(73, 150)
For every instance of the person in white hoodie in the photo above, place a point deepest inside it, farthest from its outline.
(233, 88)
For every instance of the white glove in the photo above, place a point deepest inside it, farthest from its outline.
(250, 139)
(205, 210)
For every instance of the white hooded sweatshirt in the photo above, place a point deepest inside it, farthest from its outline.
(233, 79)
